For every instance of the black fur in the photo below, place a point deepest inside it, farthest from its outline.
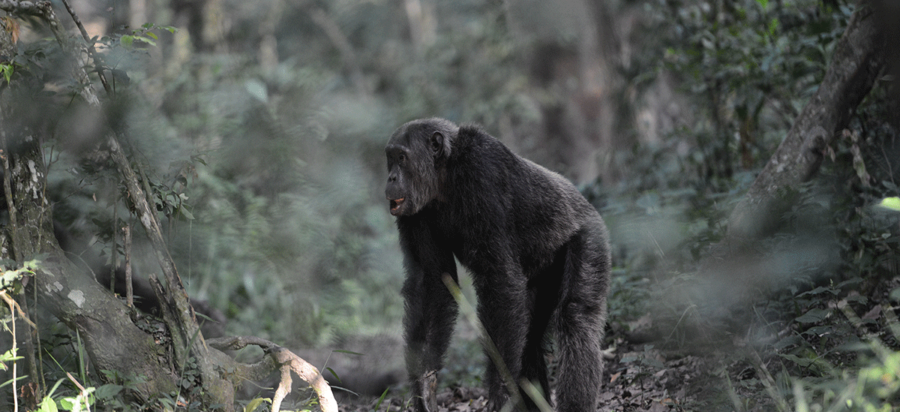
(537, 250)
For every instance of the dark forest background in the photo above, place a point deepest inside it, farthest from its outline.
(259, 128)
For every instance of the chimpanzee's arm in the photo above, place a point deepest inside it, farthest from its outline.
(430, 308)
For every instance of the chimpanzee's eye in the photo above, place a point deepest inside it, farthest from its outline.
(402, 157)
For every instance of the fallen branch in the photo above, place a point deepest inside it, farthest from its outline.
(287, 362)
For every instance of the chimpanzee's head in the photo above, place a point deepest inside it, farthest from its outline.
(415, 158)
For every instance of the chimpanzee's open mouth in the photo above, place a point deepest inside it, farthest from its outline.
(395, 205)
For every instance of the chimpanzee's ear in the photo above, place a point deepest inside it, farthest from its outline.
(438, 145)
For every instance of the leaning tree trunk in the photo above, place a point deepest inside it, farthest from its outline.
(732, 269)
(857, 61)
(111, 339)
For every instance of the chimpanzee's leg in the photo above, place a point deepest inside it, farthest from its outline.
(544, 292)
(504, 312)
(581, 320)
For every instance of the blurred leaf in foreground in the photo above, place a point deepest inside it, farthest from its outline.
(892, 203)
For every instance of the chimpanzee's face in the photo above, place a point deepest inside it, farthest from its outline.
(400, 179)
(414, 154)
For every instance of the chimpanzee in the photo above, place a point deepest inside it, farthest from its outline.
(538, 253)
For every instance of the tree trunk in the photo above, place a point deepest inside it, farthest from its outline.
(112, 340)
(732, 269)
(857, 61)
(572, 56)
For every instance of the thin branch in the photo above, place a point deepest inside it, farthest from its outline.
(90, 45)
(515, 397)
(7, 187)
(84, 394)
(342, 43)
(12, 302)
(186, 322)
(9, 301)
(129, 292)
(115, 242)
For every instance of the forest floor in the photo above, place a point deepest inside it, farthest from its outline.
(639, 376)
(752, 357)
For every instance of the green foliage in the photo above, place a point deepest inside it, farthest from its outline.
(11, 283)
(144, 35)
(7, 71)
(890, 203)
(255, 403)
(872, 387)
(844, 360)
(82, 401)
(11, 280)
(749, 66)
(8, 356)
